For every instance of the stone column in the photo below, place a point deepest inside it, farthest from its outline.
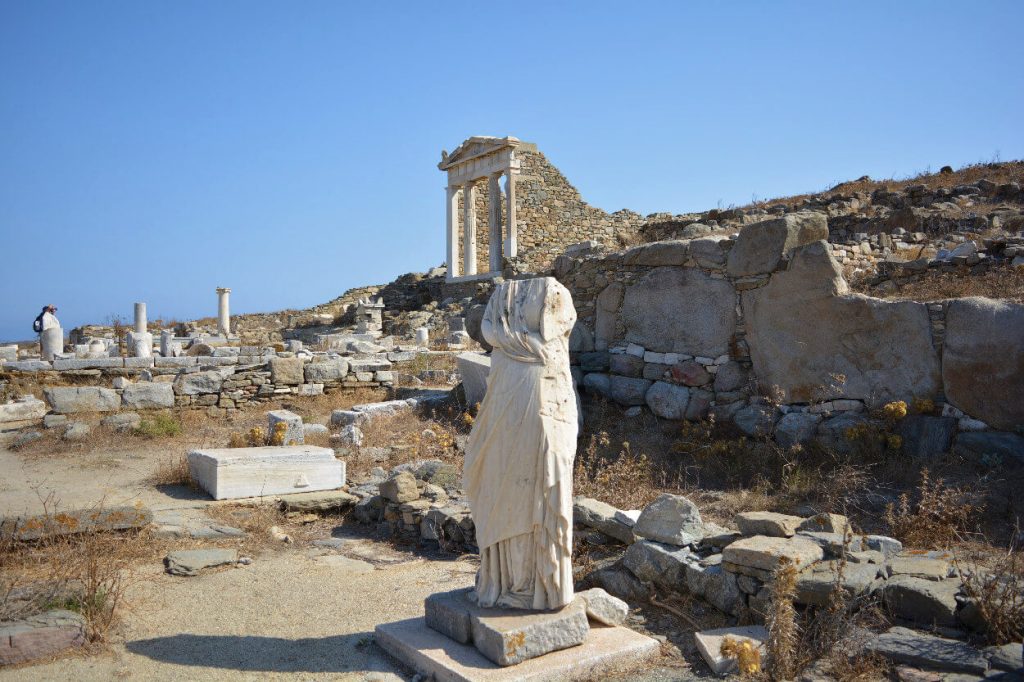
(494, 221)
(451, 217)
(469, 229)
(511, 238)
(422, 336)
(223, 312)
(140, 318)
(166, 338)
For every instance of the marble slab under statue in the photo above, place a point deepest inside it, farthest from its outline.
(522, 619)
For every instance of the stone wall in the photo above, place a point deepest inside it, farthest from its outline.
(760, 327)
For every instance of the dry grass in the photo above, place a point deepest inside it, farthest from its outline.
(783, 632)
(1001, 282)
(939, 517)
(173, 470)
(409, 438)
(999, 596)
(89, 572)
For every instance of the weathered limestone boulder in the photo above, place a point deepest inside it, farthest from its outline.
(198, 383)
(730, 377)
(319, 501)
(670, 252)
(188, 562)
(717, 586)
(815, 583)
(74, 521)
(796, 428)
(922, 600)
(708, 252)
(826, 523)
(658, 563)
(326, 372)
(626, 365)
(763, 554)
(767, 523)
(671, 519)
(602, 517)
(597, 383)
(668, 401)
(983, 360)
(400, 488)
(761, 247)
(903, 645)
(123, 421)
(603, 607)
(147, 395)
(75, 399)
(755, 420)
(39, 636)
(627, 391)
(680, 310)
(805, 333)
(474, 369)
(286, 371)
(27, 409)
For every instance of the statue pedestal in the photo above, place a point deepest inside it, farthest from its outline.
(458, 641)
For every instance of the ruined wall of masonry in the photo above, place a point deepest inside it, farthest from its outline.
(765, 335)
(550, 215)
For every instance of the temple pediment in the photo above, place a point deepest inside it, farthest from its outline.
(474, 148)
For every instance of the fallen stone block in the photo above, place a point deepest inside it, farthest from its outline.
(922, 566)
(40, 636)
(601, 517)
(767, 523)
(122, 422)
(928, 602)
(320, 501)
(767, 553)
(709, 643)
(74, 521)
(190, 561)
(77, 399)
(672, 519)
(603, 607)
(230, 473)
(292, 431)
(661, 564)
(717, 586)
(903, 645)
(400, 488)
(474, 369)
(816, 583)
(23, 411)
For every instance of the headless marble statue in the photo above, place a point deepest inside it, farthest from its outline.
(518, 470)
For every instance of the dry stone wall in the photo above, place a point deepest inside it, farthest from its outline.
(762, 330)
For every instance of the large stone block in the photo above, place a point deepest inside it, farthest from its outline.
(761, 247)
(983, 360)
(602, 517)
(147, 395)
(286, 371)
(293, 431)
(811, 341)
(765, 553)
(668, 401)
(74, 399)
(74, 521)
(902, 645)
(198, 383)
(671, 519)
(27, 409)
(680, 310)
(230, 473)
(474, 369)
(40, 636)
(658, 563)
(326, 372)
(627, 391)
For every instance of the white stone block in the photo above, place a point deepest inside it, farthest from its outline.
(474, 369)
(231, 473)
(722, 359)
(656, 358)
(25, 409)
(635, 350)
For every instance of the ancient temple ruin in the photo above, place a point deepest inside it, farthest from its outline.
(532, 212)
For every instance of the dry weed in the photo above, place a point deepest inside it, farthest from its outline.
(998, 595)
(783, 633)
(940, 517)
(173, 470)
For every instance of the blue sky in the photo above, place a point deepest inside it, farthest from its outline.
(156, 150)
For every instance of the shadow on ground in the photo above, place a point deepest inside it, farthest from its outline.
(338, 654)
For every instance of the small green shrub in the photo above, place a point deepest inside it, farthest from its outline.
(159, 426)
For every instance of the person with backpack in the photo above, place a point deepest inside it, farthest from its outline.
(51, 336)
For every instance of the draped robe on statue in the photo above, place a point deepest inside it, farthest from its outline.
(518, 469)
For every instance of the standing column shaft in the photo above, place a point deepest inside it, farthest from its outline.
(469, 229)
(223, 312)
(140, 318)
(494, 221)
(511, 239)
(451, 216)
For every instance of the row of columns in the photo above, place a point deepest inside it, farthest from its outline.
(502, 242)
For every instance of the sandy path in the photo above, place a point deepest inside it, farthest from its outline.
(286, 615)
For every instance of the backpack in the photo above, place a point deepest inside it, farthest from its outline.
(37, 326)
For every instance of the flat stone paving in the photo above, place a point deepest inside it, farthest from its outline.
(606, 650)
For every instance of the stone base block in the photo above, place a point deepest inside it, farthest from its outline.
(606, 650)
(231, 473)
(506, 636)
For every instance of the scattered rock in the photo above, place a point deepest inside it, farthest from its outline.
(189, 562)
(400, 487)
(709, 644)
(767, 523)
(603, 607)
(657, 563)
(671, 519)
(40, 636)
(602, 517)
(903, 645)
(124, 421)
(928, 602)
(321, 501)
